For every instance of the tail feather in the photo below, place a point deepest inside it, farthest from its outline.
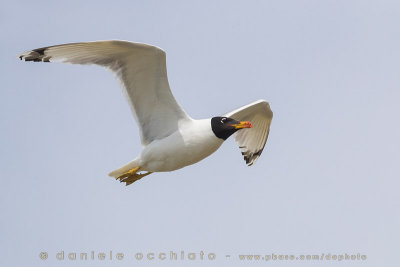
(118, 172)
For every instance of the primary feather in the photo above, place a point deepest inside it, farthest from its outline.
(142, 71)
(252, 141)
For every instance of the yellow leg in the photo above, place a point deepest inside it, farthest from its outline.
(132, 176)
(131, 179)
(128, 173)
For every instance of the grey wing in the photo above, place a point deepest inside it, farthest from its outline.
(252, 141)
(142, 70)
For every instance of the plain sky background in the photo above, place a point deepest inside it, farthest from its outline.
(327, 181)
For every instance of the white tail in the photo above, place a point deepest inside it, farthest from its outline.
(118, 172)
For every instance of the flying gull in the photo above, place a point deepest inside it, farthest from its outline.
(171, 139)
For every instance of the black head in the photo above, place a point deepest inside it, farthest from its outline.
(224, 127)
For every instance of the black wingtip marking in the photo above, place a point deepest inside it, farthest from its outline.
(40, 51)
(258, 153)
(32, 59)
(251, 157)
(36, 55)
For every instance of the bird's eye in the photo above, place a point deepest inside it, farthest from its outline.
(223, 120)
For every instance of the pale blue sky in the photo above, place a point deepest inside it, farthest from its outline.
(327, 181)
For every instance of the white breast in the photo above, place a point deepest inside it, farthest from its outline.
(193, 142)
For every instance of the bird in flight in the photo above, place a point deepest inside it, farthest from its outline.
(171, 139)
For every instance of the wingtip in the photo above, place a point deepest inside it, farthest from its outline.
(21, 56)
(35, 55)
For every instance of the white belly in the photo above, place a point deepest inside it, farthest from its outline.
(194, 143)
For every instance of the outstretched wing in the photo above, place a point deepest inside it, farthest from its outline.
(142, 71)
(252, 141)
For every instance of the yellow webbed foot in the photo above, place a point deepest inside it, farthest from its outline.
(131, 176)
(128, 173)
